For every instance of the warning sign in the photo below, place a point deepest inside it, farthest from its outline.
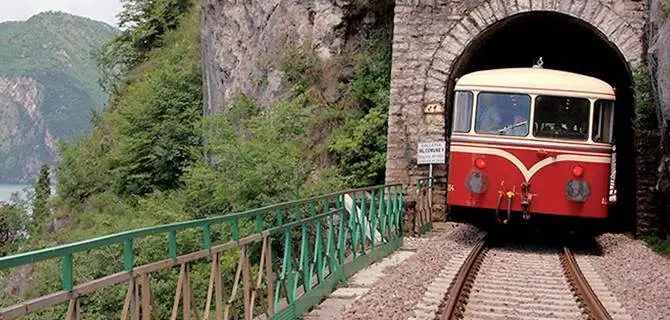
(431, 152)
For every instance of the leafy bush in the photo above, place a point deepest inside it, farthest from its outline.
(237, 172)
(360, 146)
(301, 67)
(14, 222)
(659, 245)
(146, 137)
(158, 126)
(145, 25)
(41, 208)
(645, 108)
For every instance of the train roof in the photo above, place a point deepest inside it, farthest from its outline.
(536, 79)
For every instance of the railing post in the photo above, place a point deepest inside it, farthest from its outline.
(341, 234)
(235, 230)
(353, 215)
(128, 255)
(246, 279)
(381, 216)
(287, 267)
(401, 213)
(172, 245)
(330, 243)
(318, 247)
(259, 223)
(361, 221)
(304, 259)
(280, 217)
(218, 287)
(207, 236)
(371, 219)
(387, 213)
(269, 275)
(67, 273)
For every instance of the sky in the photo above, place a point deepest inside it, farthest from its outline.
(101, 10)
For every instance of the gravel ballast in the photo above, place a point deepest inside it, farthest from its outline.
(398, 293)
(639, 277)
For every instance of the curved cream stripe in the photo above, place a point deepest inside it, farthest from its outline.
(525, 141)
(533, 149)
(527, 174)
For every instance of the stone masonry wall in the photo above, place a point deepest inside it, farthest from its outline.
(430, 35)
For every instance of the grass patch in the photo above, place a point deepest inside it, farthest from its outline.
(659, 245)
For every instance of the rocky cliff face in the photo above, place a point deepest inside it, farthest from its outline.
(25, 141)
(243, 41)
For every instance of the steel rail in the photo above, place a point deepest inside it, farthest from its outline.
(464, 273)
(593, 305)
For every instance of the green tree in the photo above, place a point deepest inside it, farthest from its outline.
(13, 224)
(42, 195)
(360, 145)
(159, 119)
(146, 137)
(144, 24)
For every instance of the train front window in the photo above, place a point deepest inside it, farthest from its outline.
(603, 120)
(504, 114)
(561, 118)
(462, 111)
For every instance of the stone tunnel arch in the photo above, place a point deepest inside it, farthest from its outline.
(514, 33)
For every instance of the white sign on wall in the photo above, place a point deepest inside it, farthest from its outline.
(431, 152)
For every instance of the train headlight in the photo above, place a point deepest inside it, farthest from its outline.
(577, 190)
(476, 182)
(480, 163)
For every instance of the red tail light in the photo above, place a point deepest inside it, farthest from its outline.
(577, 171)
(480, 163)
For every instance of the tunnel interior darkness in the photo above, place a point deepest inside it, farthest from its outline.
(569, 44)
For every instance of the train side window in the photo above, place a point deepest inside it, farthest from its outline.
(503, 114)
(462, 111)
(603, 121)
(562, 117)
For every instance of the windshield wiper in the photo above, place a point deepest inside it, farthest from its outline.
(503, 130)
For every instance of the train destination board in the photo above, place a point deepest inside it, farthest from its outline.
(431, 152)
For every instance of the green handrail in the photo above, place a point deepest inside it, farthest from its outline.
(126, 238)
(325, 239)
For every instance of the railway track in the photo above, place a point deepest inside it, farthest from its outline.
(513, 283)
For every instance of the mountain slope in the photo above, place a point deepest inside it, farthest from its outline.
(48, 84)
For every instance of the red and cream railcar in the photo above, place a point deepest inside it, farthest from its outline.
(559, 165)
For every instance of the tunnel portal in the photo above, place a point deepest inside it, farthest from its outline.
(435, 42)
(564, 43)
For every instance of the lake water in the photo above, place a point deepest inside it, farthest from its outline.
(6, 190)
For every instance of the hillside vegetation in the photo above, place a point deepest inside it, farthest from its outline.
(49, 54)
(152, 158)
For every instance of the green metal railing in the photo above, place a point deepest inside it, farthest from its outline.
(321, 241)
